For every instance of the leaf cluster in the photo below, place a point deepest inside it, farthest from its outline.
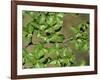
(43, 29)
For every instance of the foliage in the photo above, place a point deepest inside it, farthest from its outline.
(46, 26)
(81, 38)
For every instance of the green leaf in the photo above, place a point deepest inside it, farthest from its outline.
(28, 39)
(85, 47)
(82, 63)
(53, 62)
(38, 65)
(64, 61)
(50, 20)
(63, 52)
(57, 27)
(30, 28)
(60, 15)
(35, 25)
(42, 27)
(53, 53)
(49, 30)
(74, 29)
(42, 18)
(57, 38)
(27, 57)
